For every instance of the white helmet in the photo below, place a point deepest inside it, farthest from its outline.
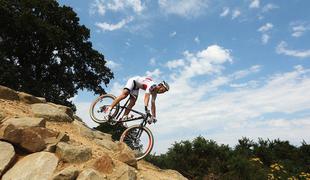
(165, 84)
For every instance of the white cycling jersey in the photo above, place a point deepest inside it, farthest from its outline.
(138, 82)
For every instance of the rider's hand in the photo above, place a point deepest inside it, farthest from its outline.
(152, 120)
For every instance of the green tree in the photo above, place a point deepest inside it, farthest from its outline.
(46, 52)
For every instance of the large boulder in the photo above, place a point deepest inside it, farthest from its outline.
(8, 94)
(104, 164)
(83, 129)
(29, 99)
(36, 166)
(125, 154)
(25, 122)
(124, 172)
(73, 153)
(51, 113)
(29, 138)
(69, 173)
(107, 144)
(90, 174)
(6, 156)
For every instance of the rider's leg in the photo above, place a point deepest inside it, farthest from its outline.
(123, 95)
(132, 102)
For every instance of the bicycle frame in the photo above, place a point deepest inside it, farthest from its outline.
(124, 107)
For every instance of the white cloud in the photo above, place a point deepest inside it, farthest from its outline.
(299, 28)
(264, 30)
(268, 7)
(120, 5)
(254, 4)
(266, 27)
(236, 13)
(184, 8)
(265, 38)
(112, 64)
(154, 74)
(244, 73)
(175, 63)
(282, 49)
(225, 12)
(197, 40)
(112, 27)
(174, 33)
(97, 7)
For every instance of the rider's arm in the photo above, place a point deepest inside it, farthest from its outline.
(146, 99)
(153, 108)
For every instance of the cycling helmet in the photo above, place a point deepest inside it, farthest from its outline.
(165, 84)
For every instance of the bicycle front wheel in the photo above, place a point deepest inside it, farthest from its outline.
(139, 139)
(99, 108)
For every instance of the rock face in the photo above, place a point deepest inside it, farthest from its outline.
(30, 99)
(29, 138)
(41, 140)
(36, 166)
(50, 112)
(25, 122)
(6, 156)
(7, 93)
(73, 153)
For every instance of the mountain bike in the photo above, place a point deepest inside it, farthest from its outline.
(138, 137)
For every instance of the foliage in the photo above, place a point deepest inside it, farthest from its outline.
(45, 51)
(265, 159)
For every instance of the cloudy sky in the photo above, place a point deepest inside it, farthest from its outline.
(236, 68)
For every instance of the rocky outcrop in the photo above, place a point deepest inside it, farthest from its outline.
(42, 140)
(30, 99)
(8, 94)
(73, 153)
(51, 113)
(36, 166)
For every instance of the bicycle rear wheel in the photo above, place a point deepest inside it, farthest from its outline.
(99, 108)
(139, 139)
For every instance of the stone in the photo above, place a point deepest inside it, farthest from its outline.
(69, 173)
(102, 136)
(90, 174)
(83, 129)
(125, 154)
(36, 166)
(7, 156)
(124, 172)
(50, 113)
(52, 142)
(8, 94)
(29, 138)
(104, 164)
(106, 144)
(64, 109)
(73, 153)
(29, 99)
(25, 122)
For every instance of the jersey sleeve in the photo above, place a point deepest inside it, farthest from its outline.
(150, 87)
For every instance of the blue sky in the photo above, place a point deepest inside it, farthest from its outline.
(236, 68)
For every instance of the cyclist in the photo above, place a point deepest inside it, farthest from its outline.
(132, 87)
